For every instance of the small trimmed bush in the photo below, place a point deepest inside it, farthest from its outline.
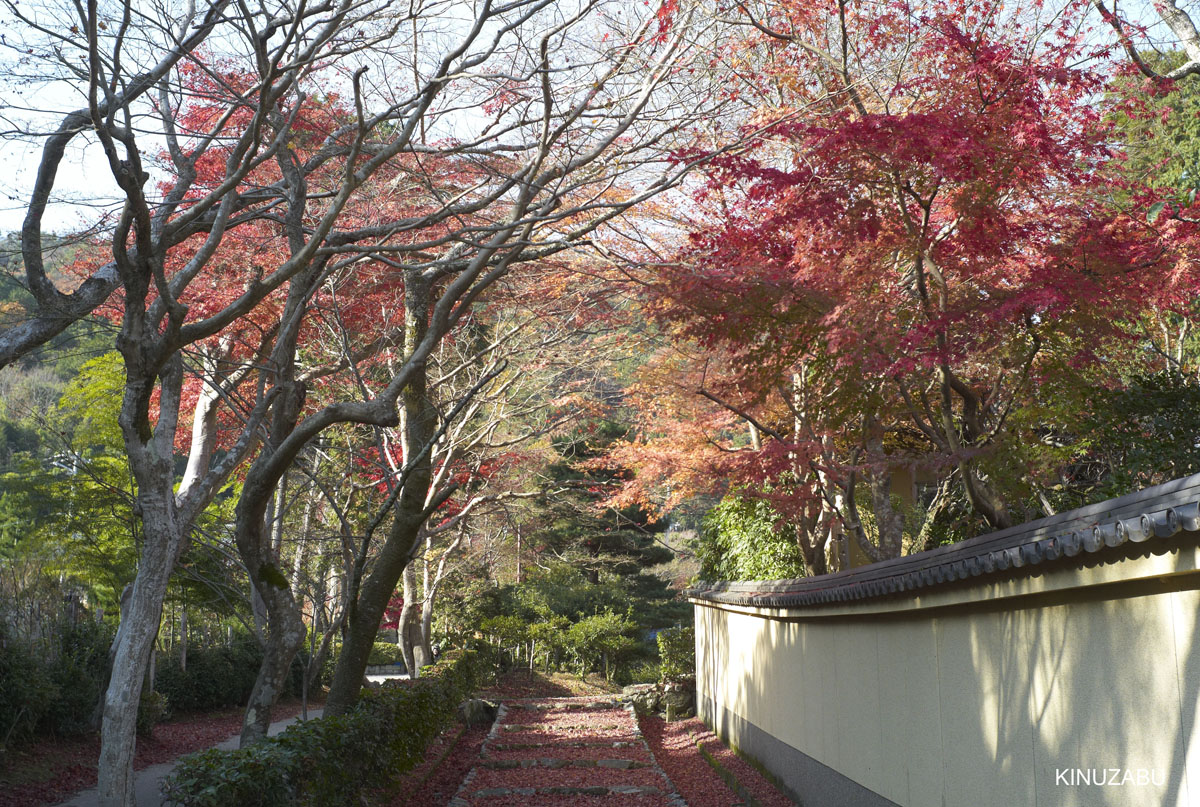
(677, 654)
(331, 761)
(385, 653)
(603, 641)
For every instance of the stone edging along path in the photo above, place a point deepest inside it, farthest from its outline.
(566, 751)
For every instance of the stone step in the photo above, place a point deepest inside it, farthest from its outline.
(566, 706)
(565, 744)
(551, 762)
(551, 727)
(594, 790)
(542, 771)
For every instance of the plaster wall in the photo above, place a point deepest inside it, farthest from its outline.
(977, 697)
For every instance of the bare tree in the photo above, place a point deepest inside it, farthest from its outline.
(1181, 26)
(443, 143)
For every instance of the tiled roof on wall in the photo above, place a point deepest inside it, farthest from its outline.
(1093, 533)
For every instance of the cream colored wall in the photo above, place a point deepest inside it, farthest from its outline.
(979, 703)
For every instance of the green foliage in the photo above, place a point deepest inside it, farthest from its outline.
(216, 677)
(52, 690)
(331, 761)
(152, 708)
(69, 513)
(385, 653)
(91, 402)
(25, 694)
(603, 640)
(1142, 434)
(504, 630)
(561, 590)
(77, 673)
(1161, 133)
(644, 671)
(677, 654)
(739, 540)
(595, 540)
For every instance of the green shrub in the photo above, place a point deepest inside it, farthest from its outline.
(151, 709)
(677, 654)
(217, 677)
(25, 692)
(506, 634)
(740, 539)
(78, 674)
(331, 761)
(385, 653)
(646, 671)
(603, 640)
(55, 693)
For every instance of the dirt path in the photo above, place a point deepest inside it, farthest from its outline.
(148, 781)
(584, 751)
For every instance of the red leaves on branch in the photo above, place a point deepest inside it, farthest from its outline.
(937, 210)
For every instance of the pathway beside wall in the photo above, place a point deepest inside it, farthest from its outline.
(568, 751)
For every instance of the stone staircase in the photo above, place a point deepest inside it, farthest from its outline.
(555, 752)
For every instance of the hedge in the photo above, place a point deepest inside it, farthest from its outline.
(677, 650)
(385, 653)
(331, 761)
(216, 677)
(55, 691)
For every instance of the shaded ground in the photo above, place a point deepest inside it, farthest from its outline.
(52, 770)
(434, 782)
(524, 684)
(695, 759)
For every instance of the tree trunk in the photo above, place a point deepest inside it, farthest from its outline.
(984, 499)
(183, 638)
(404, 633)
(284, 638)
(518, 532)
(259, 520)
(940, 502)
(412, 509)
(132, 645)
(888, 522)
(283, 631)
(366, 612)
(423, 650)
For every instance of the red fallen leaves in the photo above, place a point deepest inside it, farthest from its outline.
(558, 731)
(50, 771)
(574, 800)
(596, 716)
(674, 747)
(567, 735)
(565, 777)
(430, 786)
(680, 766)
(596, 751)
(595, 722)
(437, 779)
